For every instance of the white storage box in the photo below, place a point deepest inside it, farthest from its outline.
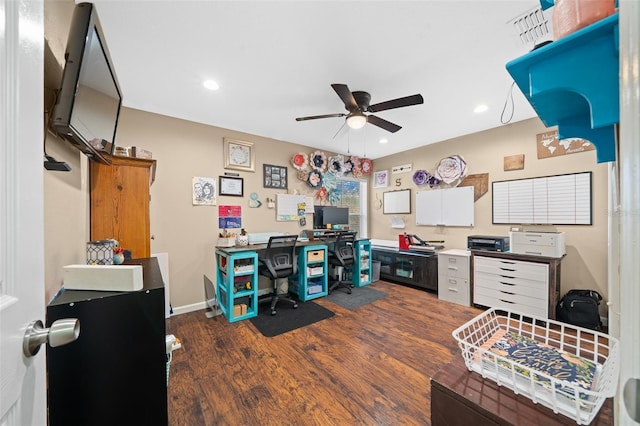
(569, 369)
(103, 277)
(549, 244)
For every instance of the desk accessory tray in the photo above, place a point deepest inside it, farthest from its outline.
(571, 370)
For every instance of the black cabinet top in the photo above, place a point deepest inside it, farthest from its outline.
(151, 277)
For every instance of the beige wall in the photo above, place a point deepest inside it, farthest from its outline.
(188, 233)
(585, 265)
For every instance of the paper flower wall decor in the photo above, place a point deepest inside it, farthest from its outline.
(315, 179)
(336, 165)
(451, 170)
(433, 181)
(423, 177)
(367, 166)
(318, 161)
(420, 177)
(302, 175)
(321, 194)
(348, 167)
(357, 166)
(299, 161)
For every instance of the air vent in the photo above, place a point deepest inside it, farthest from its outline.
(533, 26)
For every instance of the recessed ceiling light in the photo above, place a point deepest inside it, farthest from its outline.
(211, 85)
(384, 140)
(481, 108)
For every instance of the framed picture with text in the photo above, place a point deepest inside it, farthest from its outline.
(274, 176)
(233, 186)
(239, 155)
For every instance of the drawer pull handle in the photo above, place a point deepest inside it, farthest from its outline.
(511, 284)
(452, 289)
(539, 253)
(507, 269)
(506, 292)
(452, 268)
(506, 301)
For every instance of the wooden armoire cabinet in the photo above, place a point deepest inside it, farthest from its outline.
(119, 203)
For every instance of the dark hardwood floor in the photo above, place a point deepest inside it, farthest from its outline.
(371, 365)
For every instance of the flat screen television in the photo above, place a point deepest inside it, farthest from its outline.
(89, 98)
(335, 216)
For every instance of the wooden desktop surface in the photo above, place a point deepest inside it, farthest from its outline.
(461, 397)
(299, 243)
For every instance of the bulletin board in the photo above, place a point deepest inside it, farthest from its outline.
(287, 207)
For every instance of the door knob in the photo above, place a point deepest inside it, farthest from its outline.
(60, 333)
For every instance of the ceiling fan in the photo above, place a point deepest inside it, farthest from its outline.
(357, 103)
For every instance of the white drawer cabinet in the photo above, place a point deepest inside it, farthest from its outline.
(454, 276)
(516, 285)
(538, 243)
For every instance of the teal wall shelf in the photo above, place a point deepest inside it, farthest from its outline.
(237, 284)
(312, 280)
(361, 270)
(573, 83)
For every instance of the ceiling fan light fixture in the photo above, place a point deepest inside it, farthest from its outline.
(356, 120)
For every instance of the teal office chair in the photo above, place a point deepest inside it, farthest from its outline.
(342, 256)
(278, 260)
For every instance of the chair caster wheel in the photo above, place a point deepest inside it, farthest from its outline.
(273, 312)
(348, 291)
(295, 306)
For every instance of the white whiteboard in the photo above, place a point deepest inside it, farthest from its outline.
(554, 200)
(396, 202)
(445, 207)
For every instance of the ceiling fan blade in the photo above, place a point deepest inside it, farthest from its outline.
(347, 97)
(384, 124)
(397, 103)
(315, 117)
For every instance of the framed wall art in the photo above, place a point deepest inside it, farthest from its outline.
(274, 176)
(239, 155)
(203, 191)
(381, 179)
(233, 186)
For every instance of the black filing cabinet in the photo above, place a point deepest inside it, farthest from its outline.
(115, 373)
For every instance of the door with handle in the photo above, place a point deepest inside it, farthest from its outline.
(22, 396)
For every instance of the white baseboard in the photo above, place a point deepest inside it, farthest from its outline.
(189, 308)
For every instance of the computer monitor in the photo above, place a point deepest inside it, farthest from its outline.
(335, 216)
(317, 217)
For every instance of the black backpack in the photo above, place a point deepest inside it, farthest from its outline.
(580, 307)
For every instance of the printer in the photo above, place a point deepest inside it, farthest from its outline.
(488, 243)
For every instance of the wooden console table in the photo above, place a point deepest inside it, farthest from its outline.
(460, 397)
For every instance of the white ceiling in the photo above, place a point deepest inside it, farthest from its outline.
(276, 60)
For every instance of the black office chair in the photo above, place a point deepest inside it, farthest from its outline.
(341, 254)
(279, 260)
